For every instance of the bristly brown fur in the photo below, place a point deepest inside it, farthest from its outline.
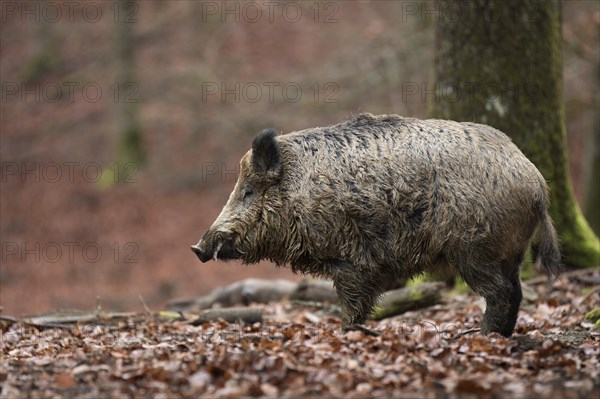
(384, 197)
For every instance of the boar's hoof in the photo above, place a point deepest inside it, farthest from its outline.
(362, 329)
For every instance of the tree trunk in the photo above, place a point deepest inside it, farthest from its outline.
(500, 63)
(45, 57)
(592, 197)
(129, 149)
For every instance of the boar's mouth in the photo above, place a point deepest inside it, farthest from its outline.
(219, 249)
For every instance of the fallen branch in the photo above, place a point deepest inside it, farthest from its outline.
(365, 330)
(66, 320)
(230, 315)
(242, 292)
(315, 291)
(592, 293)
(406, 299)
(470, 331)
(76, 317)
(577, 274)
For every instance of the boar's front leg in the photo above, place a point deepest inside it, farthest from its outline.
(357, 292)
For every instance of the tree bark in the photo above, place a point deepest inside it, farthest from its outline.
(500, 63)
(592, 200)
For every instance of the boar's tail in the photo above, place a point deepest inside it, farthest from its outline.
(549, 252)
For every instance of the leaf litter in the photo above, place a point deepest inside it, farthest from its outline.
(298, 352)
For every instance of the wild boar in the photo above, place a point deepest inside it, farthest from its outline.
(379, 198)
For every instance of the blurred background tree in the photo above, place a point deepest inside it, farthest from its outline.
(501, 64)
(126, 90)
(45, 57)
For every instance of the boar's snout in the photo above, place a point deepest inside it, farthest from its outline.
(202, 255)
(216, 246)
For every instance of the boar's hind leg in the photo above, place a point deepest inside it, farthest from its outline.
(357, 293)
(501, 288)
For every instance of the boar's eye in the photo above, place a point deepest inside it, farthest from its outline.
(247, 194)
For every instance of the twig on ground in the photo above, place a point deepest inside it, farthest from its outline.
(364, 330)
(470, 331)
(146, 308)
(589, 295)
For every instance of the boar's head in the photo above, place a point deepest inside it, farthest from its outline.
(243, 228)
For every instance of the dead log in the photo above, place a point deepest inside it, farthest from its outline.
(406, 299)
(66, 319)
(392, 302)
(77, 316)
(191, 304)
(231, 315)
(242, 292)
(307, 291)
(314, 291)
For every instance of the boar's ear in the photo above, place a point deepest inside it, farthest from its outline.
(265, 154)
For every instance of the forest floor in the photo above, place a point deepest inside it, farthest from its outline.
(299, 351)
